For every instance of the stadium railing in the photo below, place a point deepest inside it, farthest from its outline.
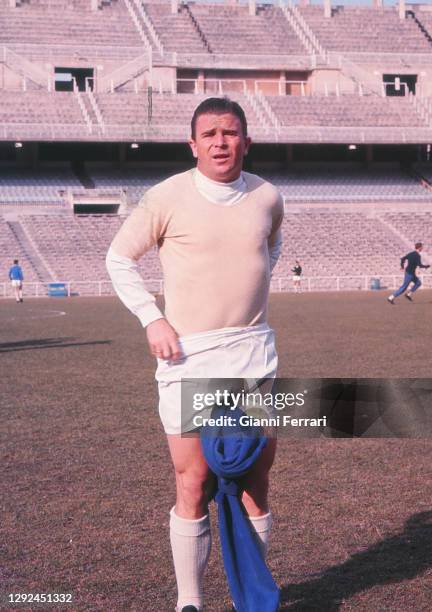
(394, 59)
(180, 133)
(238, 62)
(102, 288)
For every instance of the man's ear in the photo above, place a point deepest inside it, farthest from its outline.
(193, 146)
(248, 142)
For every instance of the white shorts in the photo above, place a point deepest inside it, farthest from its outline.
(16, 283)
(235, 352)
(296, 279)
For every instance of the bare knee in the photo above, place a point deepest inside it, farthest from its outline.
(194, 480)
(194, 490)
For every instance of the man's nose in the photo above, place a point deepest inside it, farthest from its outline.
(219, 140)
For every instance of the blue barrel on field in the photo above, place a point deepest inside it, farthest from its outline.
(57, 290)
(375, 284)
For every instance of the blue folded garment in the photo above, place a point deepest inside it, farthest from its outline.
(230, 452)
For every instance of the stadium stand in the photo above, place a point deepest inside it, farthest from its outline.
(167, 109)
(75, 246)
(424, 21)
(413, 226)
(29, 187)
(126, 115)
(10, 249)
(49, 23)
(347, 110)
(365, 29)
(349, 185)
(39, 114)
(331, 184)
(307, 84)
(331, 243)
(134, 181)
(267, 32)
(177, 31)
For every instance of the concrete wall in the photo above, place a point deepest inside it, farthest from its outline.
(10, 81)
(424, 74)
(321, 78)
(164, 77)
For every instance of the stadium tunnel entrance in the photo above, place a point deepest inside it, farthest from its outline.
(66, 79)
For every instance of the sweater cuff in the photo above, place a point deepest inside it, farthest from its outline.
(148, 313)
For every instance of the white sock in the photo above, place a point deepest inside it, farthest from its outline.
(190, 544)
(261, 526)
(391, 297)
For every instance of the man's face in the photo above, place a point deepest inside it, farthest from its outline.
(219, 146)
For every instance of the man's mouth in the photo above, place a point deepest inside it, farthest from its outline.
(221, 156)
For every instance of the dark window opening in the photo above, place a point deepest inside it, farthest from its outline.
(65, 78)
(399, 84)
(96, 209)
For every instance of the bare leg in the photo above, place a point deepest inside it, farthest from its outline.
(189, 524)
(256, 482)
(255, 495)
(194, 480)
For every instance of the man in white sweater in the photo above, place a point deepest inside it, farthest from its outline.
(218, 232)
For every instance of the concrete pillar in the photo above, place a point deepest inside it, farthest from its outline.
(252, 7)
(174, 6)
(201, 81)
(304, 2)
(327, 8)
(378, 3)
(402, 9)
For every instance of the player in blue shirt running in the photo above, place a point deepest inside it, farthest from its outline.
(16, 277)
(414, 262)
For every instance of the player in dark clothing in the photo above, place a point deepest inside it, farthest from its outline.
(414, 262)
(297, 270)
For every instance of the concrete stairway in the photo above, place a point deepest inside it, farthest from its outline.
(39, 266)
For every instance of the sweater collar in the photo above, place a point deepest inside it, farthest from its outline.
(225, 194)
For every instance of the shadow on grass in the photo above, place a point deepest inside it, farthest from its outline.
(44, 343)
(394, 559)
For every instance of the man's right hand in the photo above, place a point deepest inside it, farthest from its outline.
(163, 340)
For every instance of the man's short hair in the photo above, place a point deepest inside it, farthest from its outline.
(418, 245)
(219, 106)
(15, 261)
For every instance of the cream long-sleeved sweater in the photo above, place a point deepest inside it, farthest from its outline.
(215, 259)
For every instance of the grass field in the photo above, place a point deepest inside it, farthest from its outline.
(86, 484)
